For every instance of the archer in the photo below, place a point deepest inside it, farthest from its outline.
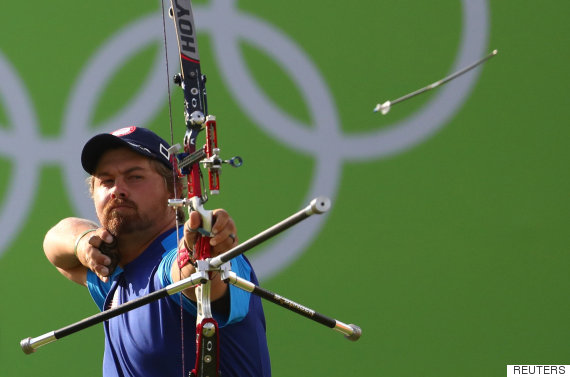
(134, 252)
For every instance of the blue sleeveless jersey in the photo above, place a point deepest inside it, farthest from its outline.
(146, 341)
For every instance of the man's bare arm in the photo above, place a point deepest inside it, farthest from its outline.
(69, 247)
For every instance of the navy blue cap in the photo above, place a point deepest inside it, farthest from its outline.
(138, 139)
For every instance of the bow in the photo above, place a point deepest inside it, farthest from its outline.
(187, 164)
(196, 117)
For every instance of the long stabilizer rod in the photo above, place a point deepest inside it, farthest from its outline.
(318, 205)
(350, 331)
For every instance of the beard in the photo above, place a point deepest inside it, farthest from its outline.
(118, 223)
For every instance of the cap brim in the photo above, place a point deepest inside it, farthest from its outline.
(98, 145)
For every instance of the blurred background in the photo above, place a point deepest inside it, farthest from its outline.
(447, 240)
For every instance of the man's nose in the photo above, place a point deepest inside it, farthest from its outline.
(119, 190)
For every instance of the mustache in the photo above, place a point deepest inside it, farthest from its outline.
(114, 203)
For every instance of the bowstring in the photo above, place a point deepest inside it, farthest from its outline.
(174, 185)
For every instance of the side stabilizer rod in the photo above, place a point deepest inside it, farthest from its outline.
(29, 345)
(350, 331)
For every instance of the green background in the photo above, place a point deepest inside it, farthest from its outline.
(452, 256)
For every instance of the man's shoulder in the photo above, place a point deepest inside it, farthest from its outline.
(169, 240)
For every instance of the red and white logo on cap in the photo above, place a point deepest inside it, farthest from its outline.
(124, 131)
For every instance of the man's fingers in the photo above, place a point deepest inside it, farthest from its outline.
(221, 220)
(223, 234)
(101, 270)
(103, 278)
(191, 229)
(226, 236)
(224, 230)
(94, 254)
(96, 260)
(95, 241)
(99, 236)
(194, 221)
(98, 263)
(105, 235)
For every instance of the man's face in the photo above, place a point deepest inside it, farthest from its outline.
(129, 195)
